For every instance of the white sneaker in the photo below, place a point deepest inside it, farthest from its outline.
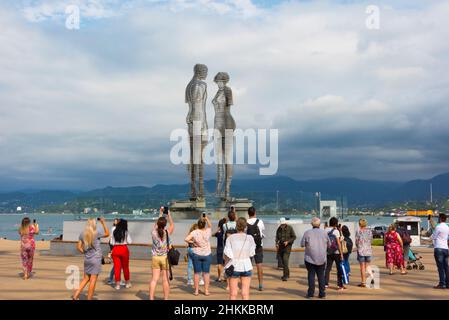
(122, 283)
(111, 282)
(190, 282)
(128, 285)
(117, 286)
(202, 282)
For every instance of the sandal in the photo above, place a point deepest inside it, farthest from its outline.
(207, 294)
(196, 294)
(361, 285)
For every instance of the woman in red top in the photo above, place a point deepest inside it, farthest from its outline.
(393, 250)
(27, 245)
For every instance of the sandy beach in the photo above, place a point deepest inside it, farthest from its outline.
(48, 281)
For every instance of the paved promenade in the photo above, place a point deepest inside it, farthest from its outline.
(49, 280)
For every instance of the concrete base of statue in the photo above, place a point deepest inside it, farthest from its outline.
(188, 209)
(241, 205)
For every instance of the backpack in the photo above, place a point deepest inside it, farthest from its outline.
(346, 245)
(254, 231)
(405, 236)
(229, 231)
(334, 244)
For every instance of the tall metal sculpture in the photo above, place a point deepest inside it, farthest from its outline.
(196, 95)
(224, 124)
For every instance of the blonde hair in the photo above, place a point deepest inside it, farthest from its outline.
(363, 223)
(392, 227)
(25, 226)
(89, 233)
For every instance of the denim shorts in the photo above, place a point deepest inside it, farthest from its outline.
(201, 263)
(238, 274)
(363, 258)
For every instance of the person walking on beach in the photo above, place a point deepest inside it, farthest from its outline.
(285, 236)
(316, 242)
(120, 253)
(440, 237)
(346, 246)
(334, 253)
(27, 231)
(363, 239)
(406, 241)
(255, 228)
(239, 249)
(160, 245)
(202, 254)
(393, 250)
(219, 234)
(90, 246)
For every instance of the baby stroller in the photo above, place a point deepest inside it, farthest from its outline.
(414, 261)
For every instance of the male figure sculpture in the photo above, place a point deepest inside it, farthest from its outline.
(224, 125)
(196, 95)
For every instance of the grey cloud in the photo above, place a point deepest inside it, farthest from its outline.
(96, 106)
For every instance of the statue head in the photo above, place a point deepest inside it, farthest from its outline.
(221, 79)
(200, 71)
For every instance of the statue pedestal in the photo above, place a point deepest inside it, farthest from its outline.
(188, 209)
(241, 206)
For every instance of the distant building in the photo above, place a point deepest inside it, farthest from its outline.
(328, 209)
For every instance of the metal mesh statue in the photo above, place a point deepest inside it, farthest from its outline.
(224, 124)
(196, 95)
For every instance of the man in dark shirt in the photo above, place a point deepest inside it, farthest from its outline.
(285, 236)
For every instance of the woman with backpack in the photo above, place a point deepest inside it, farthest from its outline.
(346, 246)
(229, 228)
(334, 253)
(219, 234)
(406, 241)
(159, 249)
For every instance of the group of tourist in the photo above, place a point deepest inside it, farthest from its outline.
(239, 241)
(332, 244)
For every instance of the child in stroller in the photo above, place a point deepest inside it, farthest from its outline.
(414, 261)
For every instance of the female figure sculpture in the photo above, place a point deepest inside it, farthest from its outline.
(224, 125)
(196, 95)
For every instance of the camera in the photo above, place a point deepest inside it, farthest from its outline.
(165, 210)
(34, 220)
(204, 215)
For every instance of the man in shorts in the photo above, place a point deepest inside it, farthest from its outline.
(256, 228)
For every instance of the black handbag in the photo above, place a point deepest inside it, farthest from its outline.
(173, 254)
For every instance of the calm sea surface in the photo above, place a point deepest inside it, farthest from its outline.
(51, 224)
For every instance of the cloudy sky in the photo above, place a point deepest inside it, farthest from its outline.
(95, 106)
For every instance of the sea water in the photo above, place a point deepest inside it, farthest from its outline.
(51, 224)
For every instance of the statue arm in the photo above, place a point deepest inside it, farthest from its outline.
(187, 100)
(229, 97)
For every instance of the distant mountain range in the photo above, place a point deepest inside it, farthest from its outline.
(355, 192)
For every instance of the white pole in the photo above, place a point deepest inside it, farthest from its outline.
(431, 194)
